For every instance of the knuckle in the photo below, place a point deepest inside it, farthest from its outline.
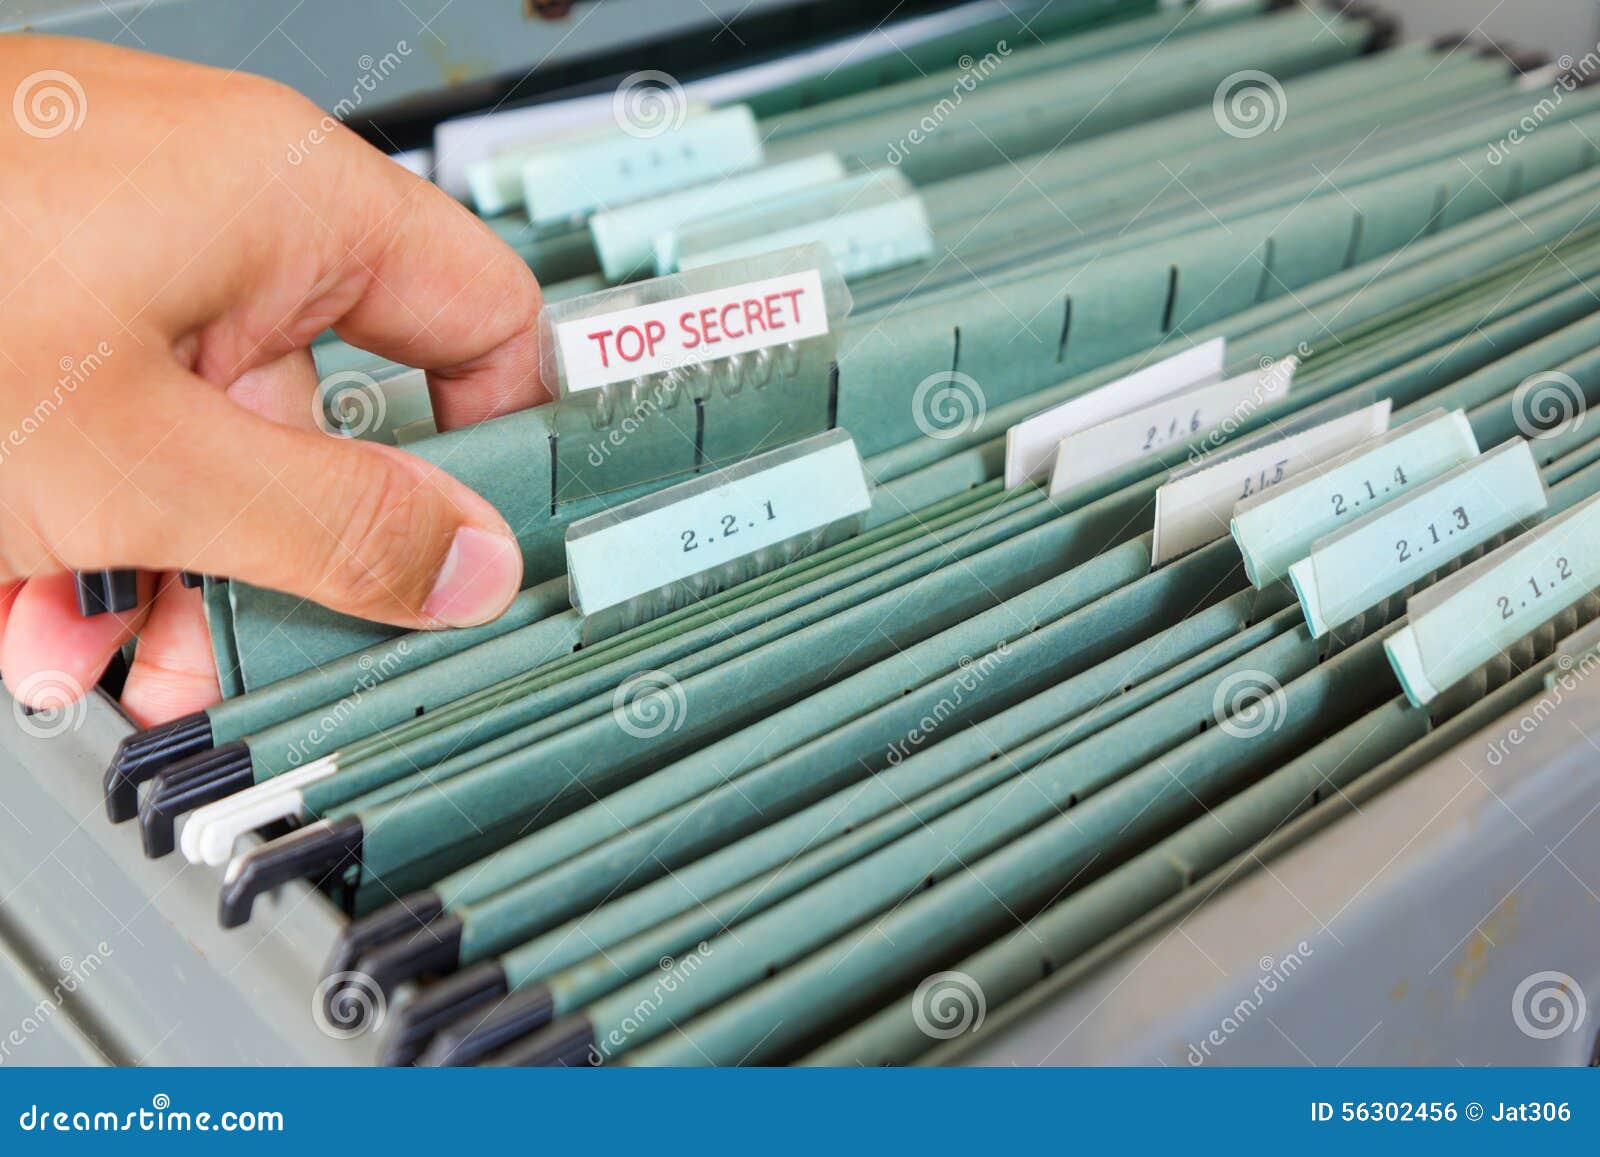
(388, 533)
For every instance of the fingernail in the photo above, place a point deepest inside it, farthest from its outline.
(480, 576)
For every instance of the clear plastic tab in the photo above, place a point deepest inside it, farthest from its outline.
(1276, 528)
(655, 554)
(724, 326)
(624, 237)
(631, 162)
(1463, 621)
(1403, 541)
(870, 223)
(690, 372)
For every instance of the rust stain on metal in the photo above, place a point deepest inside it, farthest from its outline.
(1496, 929)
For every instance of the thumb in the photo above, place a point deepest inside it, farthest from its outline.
(362, 528)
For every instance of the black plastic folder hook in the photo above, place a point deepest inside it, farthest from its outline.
(476, 1035)
(394, 921)
(435, 948)
(103, 591)
(144, 753)
(316, 851)
(463, 1017)
(184, 786)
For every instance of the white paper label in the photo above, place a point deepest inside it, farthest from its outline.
(687, 331)
(1170, 422)
(1276, 531)
(1031, 444)
(711, 521)
(1405, 540)
(1195, 509)
(1456, 627)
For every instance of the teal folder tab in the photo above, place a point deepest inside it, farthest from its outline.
(650, 556)
(628, 163)
(1386, 551)
(625, 238)
(1276, 528)
(1469, 618)
(870, 223)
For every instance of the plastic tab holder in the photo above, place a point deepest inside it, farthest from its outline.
(622, 166)
(1381, 554)
(1162, 425)
(688, 372)
(1275, 529)
(625, 238)
(870, 223)
(1456, 627)
(660, 552)
(1194, 506)
(1031, 443)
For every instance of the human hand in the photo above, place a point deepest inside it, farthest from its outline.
(166, 267)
